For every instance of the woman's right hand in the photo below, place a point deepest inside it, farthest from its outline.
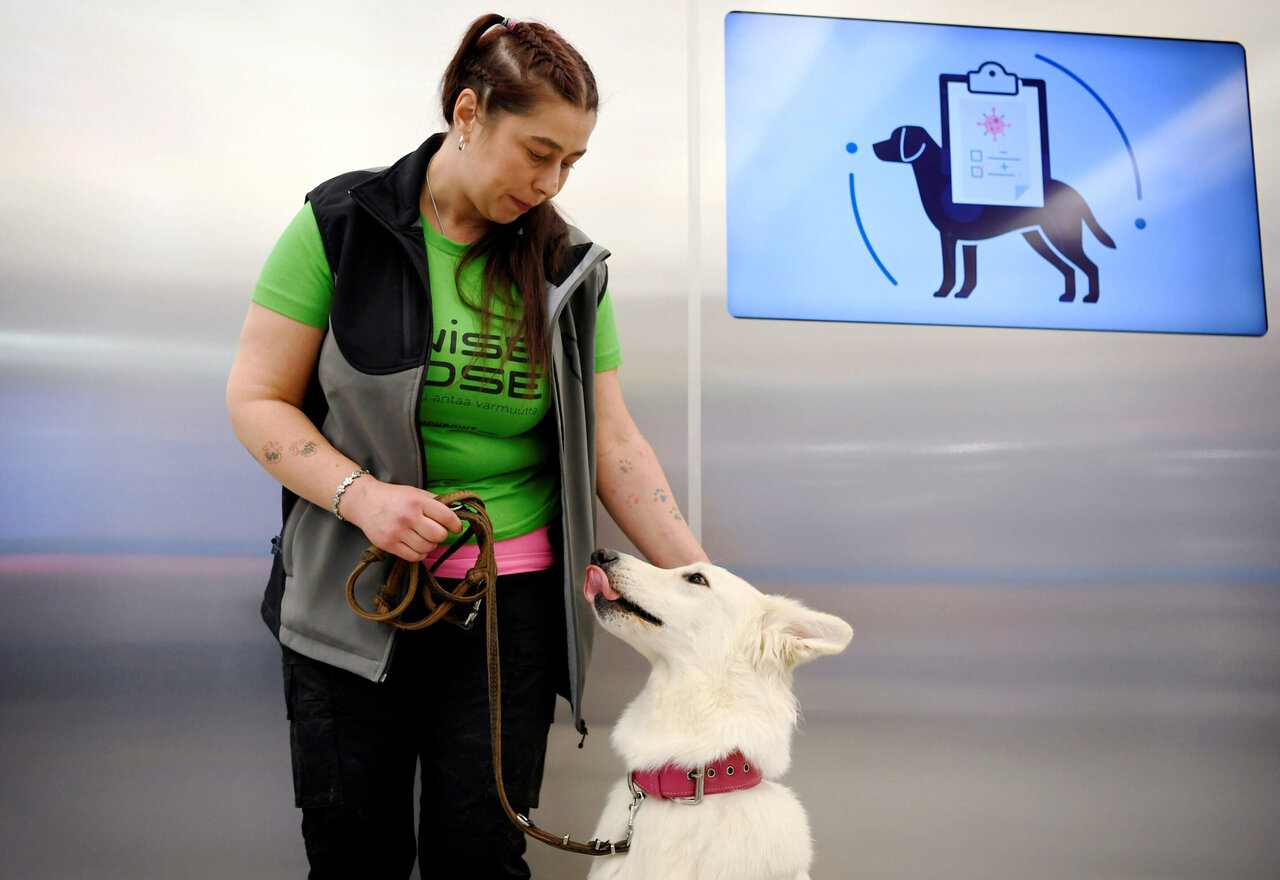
(265, 391)
(402, 520)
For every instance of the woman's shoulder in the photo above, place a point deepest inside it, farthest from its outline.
(580, 249)
(338, 189)
(577, 237)
(582, 246)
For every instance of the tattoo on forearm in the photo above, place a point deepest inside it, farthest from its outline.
(675, 514)
(659, 495)
(271, 452)
(625, 465)
(303, 447)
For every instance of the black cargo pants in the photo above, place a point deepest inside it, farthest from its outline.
(356, 743)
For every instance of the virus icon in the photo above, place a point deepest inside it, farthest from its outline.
(994, 124)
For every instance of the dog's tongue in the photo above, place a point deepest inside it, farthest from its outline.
(598, 583)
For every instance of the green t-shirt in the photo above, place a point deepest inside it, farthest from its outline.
(482, 420)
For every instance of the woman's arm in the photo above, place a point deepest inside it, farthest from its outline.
(264, 398)
(630, 482)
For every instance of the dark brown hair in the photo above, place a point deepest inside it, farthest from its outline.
(512, 66)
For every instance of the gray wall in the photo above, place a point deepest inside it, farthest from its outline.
(1058, 550)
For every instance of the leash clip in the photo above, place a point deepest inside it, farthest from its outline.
(637, 801)
(471, 617)
(608, 846)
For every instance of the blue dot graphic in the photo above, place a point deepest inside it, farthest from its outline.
(852, 148)
(1140, 223)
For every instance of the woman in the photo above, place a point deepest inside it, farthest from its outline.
(446, 329)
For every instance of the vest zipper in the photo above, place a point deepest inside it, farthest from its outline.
(407, 341)
(425, 354)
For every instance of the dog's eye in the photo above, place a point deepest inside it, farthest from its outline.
(697, 578)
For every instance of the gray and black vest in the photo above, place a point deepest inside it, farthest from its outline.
(365, 397)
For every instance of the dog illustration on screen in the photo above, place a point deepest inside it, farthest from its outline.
(1059, 219)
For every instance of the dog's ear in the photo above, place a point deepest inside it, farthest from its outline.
(794, 634)
(912, 140)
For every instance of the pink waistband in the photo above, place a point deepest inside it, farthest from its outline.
(528, 552)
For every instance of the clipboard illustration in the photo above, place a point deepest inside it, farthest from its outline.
(990, 177)
(995, 137)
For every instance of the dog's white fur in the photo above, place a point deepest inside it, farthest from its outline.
(721, 680)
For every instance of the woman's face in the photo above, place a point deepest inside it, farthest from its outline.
(515, 162)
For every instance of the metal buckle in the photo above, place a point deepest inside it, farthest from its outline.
(700, 777)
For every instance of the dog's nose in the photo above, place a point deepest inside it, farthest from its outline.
(603, 556)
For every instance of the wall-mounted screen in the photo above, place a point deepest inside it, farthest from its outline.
(935, 174)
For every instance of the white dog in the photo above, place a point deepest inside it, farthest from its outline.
(718, 703)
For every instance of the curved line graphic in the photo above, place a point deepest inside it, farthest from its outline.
(858, 218)
(1137, 178)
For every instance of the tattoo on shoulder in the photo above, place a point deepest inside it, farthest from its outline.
(271, 452)
(303, 447)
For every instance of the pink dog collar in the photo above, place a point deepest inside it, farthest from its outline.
(731, 773)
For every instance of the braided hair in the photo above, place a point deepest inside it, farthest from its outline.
(511, 67)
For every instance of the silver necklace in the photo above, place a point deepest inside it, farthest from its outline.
(432, 196)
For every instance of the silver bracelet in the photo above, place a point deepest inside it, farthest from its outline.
(346, 484)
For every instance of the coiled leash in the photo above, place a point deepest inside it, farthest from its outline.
(461, 608)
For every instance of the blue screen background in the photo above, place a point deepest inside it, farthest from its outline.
(806, 99)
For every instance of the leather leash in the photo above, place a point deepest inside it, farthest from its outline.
(393, 598)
